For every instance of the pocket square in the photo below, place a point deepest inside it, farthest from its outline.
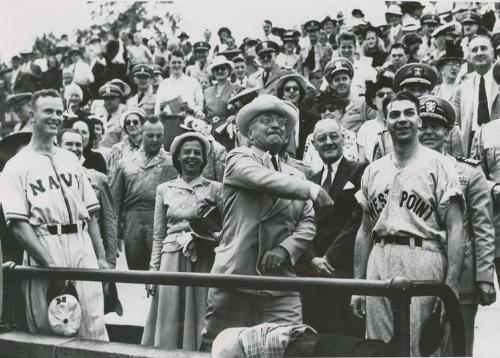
(348, 186)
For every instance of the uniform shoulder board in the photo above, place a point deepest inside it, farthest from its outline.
(470, 161)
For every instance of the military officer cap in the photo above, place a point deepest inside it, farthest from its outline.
(109, 90)
(437, 108)
(183, 36)
(157, 70)
(312, 25)
(446, 29)
(430, 19)
(328, 19)
(337, 65)
(326, 101)
(415, 73)
(123, 86)
(471, 17)
(290, 36)
(267, 46)
(201, 46)
(238, 58)
(142, 70)
(244, 97)
(17, 100)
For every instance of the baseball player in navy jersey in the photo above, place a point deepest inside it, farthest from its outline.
(411, 225)
(50, 207)
(476, 284)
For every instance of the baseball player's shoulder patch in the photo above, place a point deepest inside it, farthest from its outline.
(470, 161)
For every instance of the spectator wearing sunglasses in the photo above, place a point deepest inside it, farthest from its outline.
(267, 79)
(370, 131)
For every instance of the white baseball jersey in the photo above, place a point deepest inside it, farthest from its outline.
(412, 201)
(46, 191)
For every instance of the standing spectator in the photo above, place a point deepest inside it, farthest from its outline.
(97, 65)
(267, 27)
(328, 26)
(394, 18)
(19, 104)
(178, 85)
(392, 226)
(476, 284)
(373, 46)
(449, 66)
(476, 100)
(398, 57)
(138, 52)
(157, 77)
(52, 211)
(429, 23)
(216, 98)
(248, 49)
(201, 63)
(175, 319)
(99, 133)
(268, 77)
(223, 34)
(52, 77)
(112, 95)
(82, 73)
(332, 252)
(316, 56)
(90, 159)
(28, 78)
(11, 78)
(72, 140)
(134, 188)
(268, 221)
(241, 77)
(131, 122)
(289, 59)
(145, 97)
(73, 98)
(156, 55)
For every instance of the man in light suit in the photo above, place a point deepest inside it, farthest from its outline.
(267, 78)
(268, 221)
(145, 97)
(332, 252)
(476, 100)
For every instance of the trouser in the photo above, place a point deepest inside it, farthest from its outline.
(138, 238)
(468, 312)
(391, 260)
(330, 312)
(232, 308)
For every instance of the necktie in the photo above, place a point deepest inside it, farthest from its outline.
(311, 59)
(265, 76)
(275, 163)
(109, 117)
(202, 64)
(140, 97)
(328, 181)
(483, 113)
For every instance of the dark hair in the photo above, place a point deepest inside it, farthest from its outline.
(61, 132)
(346, 36)
(268, 22)
(398, 45)
(177, 53)
(151, 119)
(175, 155)
(43, 93)
(280, 91)
(401, 96)
(90, 124)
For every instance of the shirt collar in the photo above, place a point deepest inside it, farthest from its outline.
(334, 165)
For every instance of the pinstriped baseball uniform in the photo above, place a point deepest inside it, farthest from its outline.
(44, 190)
(410, 202)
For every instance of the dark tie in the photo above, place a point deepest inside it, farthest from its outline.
(483, 113)
(140, 97)
(275, 163)
(310, 61)
(202, 64)
(265, 76)
(328, 181)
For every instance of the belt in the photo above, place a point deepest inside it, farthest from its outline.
(399, 240)
(65, 229)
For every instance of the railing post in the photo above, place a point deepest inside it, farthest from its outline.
(400, 305)
(7, 320)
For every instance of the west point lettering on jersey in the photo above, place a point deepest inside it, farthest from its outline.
(52, 182)
(408, 201)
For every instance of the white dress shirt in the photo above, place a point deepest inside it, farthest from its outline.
(489, 82)
(187, 87)
(335, 167)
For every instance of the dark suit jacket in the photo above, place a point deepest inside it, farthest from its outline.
(336, 227)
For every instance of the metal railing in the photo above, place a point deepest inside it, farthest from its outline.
(399, 290)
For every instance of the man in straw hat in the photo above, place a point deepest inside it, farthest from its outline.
(268, 221)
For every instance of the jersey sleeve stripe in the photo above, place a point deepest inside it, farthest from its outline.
(18, 216)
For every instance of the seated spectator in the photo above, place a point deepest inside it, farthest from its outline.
(373, 46)
(52, 77)
(145, 97)
(176, 315)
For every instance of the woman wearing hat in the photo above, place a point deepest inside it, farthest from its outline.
(370, 131)
(449, 66)
(373, 46)
(52, 77)
(131, 123)
(216, 97)
(293, 88)
(176, 316)
(290, 59)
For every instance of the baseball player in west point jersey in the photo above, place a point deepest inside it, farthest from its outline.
(50, 207)
(476, 284)
(412, 209)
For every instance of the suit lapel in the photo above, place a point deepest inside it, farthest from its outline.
(341, 178)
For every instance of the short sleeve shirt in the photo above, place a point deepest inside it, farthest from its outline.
(46, 190)
(412, 201)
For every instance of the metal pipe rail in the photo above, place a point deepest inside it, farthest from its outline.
(399, 290)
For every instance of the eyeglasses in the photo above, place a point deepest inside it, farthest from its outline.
(132, 122)
(265, 56)
(268, 121)
(384, 94)
(219, 68)
(291, 88)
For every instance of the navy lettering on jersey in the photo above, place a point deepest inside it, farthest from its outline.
(52, 183)
(38, 187)
(68, 181)
(416, 204)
